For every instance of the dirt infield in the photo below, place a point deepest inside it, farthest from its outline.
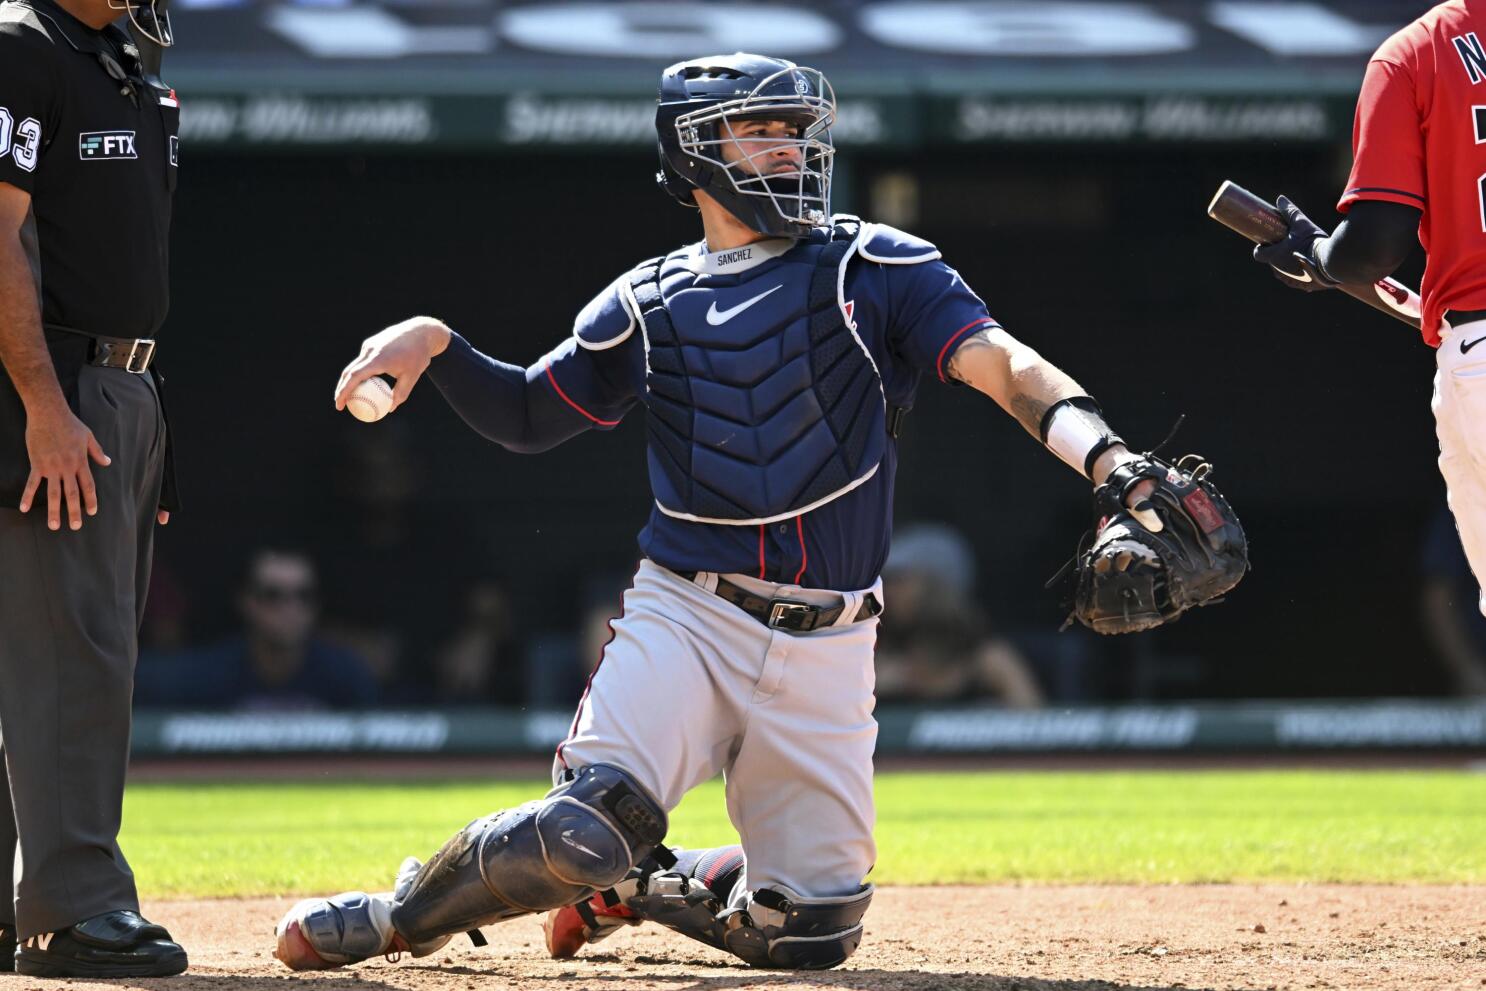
(988, 939)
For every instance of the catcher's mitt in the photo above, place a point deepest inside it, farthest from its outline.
(1129, 579)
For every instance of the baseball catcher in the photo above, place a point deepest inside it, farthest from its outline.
(776, 360)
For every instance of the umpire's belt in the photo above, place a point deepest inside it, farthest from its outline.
(788, 614)
(131, 354)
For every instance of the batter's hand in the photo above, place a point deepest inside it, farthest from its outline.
(1293, 258)
(59, 446)
(402, 351)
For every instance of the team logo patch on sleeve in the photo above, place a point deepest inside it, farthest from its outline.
(100, 145)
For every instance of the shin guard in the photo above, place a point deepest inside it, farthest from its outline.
(585, 835)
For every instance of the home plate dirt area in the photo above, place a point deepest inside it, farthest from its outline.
(994, 938)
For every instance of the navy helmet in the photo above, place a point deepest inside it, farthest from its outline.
(698, 96)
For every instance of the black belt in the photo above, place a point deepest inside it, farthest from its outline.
(130, 354)
(787, 614)
(1458, 318)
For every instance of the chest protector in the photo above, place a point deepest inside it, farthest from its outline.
(763, 401)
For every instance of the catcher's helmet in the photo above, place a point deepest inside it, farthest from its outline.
(697, 96)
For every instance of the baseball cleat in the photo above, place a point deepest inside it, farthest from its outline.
(324, 933)
(572, 927)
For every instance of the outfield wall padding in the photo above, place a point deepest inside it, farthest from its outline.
(1257, 727)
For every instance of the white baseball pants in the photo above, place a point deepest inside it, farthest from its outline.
(1459, 406)
(692, 686)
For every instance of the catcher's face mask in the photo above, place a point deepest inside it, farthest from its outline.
(771, 151)
(149, 19)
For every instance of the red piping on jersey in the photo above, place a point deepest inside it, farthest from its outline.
(588, 685)
(547, 367)
(804, 558)
(1382, 189)
(760, 552)
(939, 362)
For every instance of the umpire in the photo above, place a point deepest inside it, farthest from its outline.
(88, 154)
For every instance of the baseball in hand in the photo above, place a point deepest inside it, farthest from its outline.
(371, 400)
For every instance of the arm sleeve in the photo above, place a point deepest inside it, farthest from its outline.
(1387, 143)
(1373, 240)
(528, 410)
(29, 89)
(932, 312)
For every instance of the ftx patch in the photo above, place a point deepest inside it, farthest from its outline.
(100, 145)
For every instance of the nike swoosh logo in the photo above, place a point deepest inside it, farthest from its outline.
(567, 837)
(1464, 347)
(718, 317)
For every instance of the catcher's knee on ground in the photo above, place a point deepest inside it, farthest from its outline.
(772, 927)
(585, 835)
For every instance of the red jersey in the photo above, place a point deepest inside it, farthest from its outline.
(1420, 139)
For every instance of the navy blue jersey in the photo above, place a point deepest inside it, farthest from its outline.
(909, 309)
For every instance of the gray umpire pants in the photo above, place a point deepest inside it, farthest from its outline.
(70, 609)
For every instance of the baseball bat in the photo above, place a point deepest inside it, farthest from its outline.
(1240, 210)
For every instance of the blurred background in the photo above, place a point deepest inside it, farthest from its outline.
(348, 164)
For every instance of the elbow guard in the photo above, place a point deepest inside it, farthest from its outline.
(1074, 430)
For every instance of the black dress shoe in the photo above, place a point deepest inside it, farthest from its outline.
(114, 944)
(7, 949)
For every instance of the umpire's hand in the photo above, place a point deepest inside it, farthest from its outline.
(402, 351)
(59, 446)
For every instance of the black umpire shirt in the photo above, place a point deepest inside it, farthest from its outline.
(99, 155)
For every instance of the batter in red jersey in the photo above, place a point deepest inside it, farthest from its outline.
(1419, 147)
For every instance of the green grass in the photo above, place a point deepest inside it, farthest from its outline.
(192, 839)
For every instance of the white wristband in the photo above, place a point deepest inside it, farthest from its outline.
(1077, 434)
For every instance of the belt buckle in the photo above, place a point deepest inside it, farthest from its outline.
(147, 346)
(786, 614)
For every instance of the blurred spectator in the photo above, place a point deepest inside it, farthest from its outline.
(397, 566)
(277, 663)
(603, 602)
(558, 664)
(1452, 618)
(479, 664)
(165, 613)
(935, 645)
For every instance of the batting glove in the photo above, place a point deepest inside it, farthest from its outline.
(1293, 258)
